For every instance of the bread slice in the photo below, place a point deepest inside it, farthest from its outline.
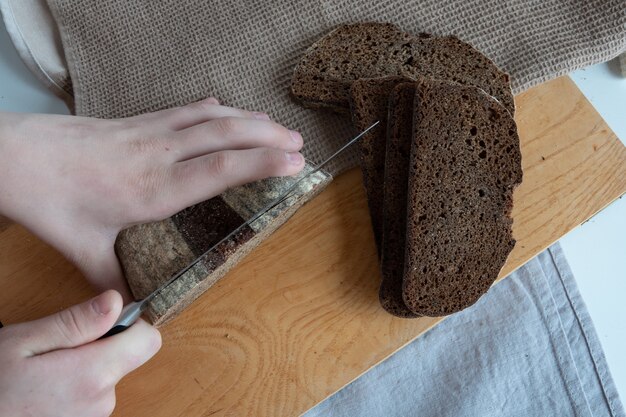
(323, 77)
(465, 163)
(369, 98)
(397, 160)
(330, 66)
(450, 59)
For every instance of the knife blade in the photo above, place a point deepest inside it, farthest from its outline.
(132, 311)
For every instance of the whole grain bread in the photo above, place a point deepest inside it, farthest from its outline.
(350, 52)
(397, 160)
(323, 77)
(465, 163)
(450, 59)
(155, 251)
(369, 98)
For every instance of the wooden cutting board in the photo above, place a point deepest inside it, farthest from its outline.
(299, 318)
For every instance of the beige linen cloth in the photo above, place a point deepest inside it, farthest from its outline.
(38, 42)
(127, 57)
(131, 56)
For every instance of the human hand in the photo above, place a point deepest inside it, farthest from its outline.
(76, 182)
(56, 366)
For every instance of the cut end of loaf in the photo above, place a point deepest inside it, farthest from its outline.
(186, 236)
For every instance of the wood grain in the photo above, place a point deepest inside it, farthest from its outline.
(4, 223)
(299, 318)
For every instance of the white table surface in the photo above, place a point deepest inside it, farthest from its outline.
(596, 250)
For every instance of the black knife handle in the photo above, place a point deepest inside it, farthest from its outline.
(114, 330)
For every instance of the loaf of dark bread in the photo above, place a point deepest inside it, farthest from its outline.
(465, 163)
(397, 160)
(369, 98)
(350, 52)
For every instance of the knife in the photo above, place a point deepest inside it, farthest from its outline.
(132, 311)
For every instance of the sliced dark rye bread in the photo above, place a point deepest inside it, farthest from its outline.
(397, 160)
(369, 98)
(450, 59)
(323, 77)
(465, 163)
(330, 66)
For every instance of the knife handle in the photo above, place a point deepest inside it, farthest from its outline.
(129, 315)
(114, 330)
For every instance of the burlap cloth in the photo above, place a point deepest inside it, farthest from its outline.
(132, 56)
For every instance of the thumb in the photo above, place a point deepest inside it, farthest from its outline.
(116, 356)
(75, 326)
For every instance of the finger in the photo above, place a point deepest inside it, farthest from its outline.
(118, 355)
(75, 326)
(201, 178)
(232, 133)
(178, 118)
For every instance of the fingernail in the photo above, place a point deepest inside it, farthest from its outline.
(294, 157)
(296, 137)
(261, 116)
(100, 305)
(212, 100)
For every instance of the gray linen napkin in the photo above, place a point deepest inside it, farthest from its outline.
(527, 348)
